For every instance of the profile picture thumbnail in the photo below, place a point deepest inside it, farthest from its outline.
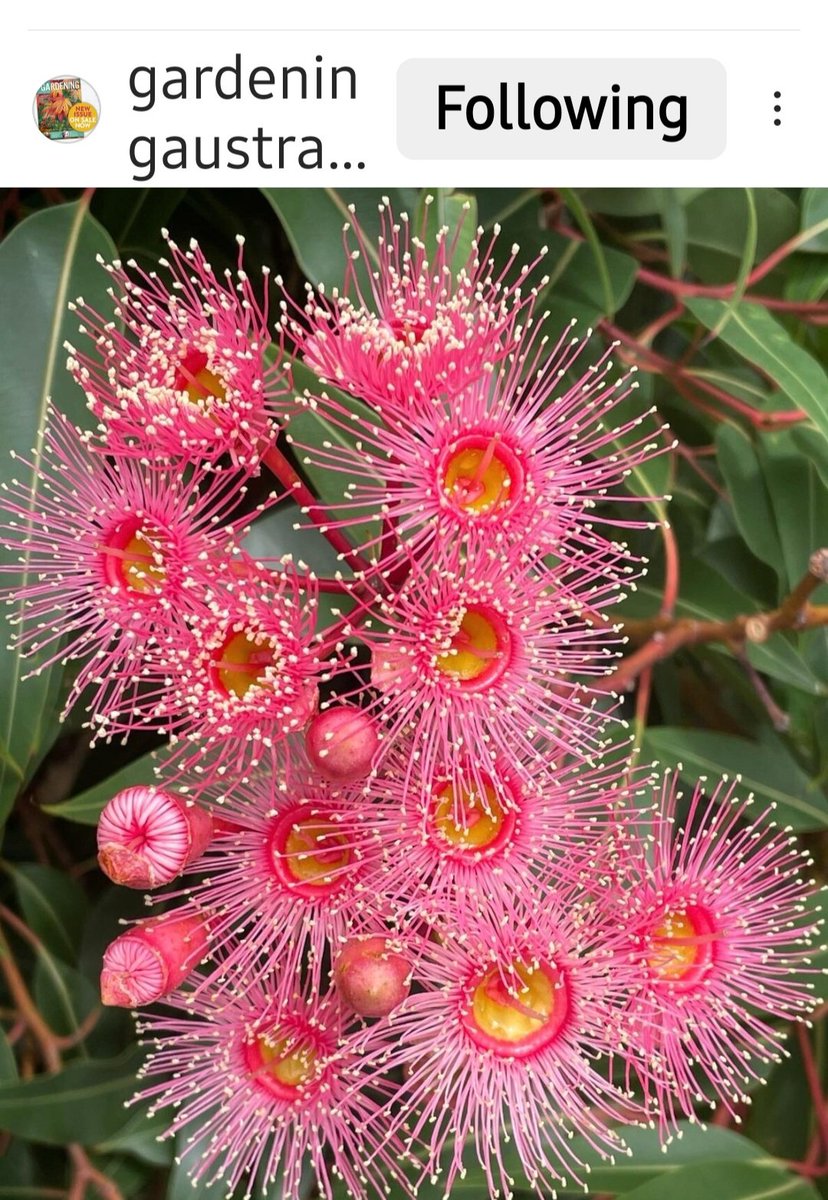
(66, 108)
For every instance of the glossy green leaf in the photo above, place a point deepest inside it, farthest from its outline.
(674, 222)
(85, 807)
(780, 1115)
(313, 219)
(815, 210)
(496, 205)
(65, 998)
(799, 498)
(8, 1063)
(718, 218)
(54, 906)
(649, 1164)
(633, 202)
(749, 495)
(576, 286)
(82, 1103)
(768, 771)
(587, 227)
(141, 1138)
(763, 341)
(728, 1181)
(46, 261)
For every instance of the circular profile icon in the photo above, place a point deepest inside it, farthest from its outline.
(66, 108)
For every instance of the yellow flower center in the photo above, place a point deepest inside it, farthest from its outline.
(243, 661)
(478, 649)
(142, 570)
(282, 1065)
(197, 380)
(468, 820)
(518, 1011)
(309, 852)
(477, 478)
(314, 851)
(134, 560)
(680, 946)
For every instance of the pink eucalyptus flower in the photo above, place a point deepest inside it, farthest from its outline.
(515, 454)
(257, 1084)
(426, 326)
(475, 658)
(289, 875)
(243, 678)
(448, 845)
(188, 378)
(503, 1042)
(115, 556)
(721, 926)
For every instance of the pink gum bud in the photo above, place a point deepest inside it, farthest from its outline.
(152, 959)
(147, 837)
(372, 975)
(341, 743)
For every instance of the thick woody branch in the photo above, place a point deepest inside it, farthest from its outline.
(659, 637)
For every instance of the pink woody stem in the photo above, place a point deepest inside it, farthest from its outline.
(274, 459)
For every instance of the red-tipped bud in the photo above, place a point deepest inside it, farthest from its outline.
(152, 959)
(372, 975)
(147, 837)
(341, 743)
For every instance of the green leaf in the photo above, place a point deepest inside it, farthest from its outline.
(634, 202)
(308, 428)
(576, 287)
(763, 341)
(717, 220)
(46, 261)
(650, 1164)
(54, 906)
(64, 997)
(728, 1181)
(82, 1103)
(814, 211)
(140, 1139)
(746, 261)
(780, 1115)
(275, 534)
(768, 771)
(496, 205)
(312, 219)
(85, 808)
(8, 1063)
(800, 502)
(674, 223)
(581, 215)
(749, 495)
(647, 1162)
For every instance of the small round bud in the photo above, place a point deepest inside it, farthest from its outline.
(341, 743)
(152, 959)
(146, 837)
(372, 975)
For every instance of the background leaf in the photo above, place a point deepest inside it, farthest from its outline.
(48, 260)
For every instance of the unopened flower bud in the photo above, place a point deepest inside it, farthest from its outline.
(341, 743)
(152, 958)
(373, 976)
(146, 837)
